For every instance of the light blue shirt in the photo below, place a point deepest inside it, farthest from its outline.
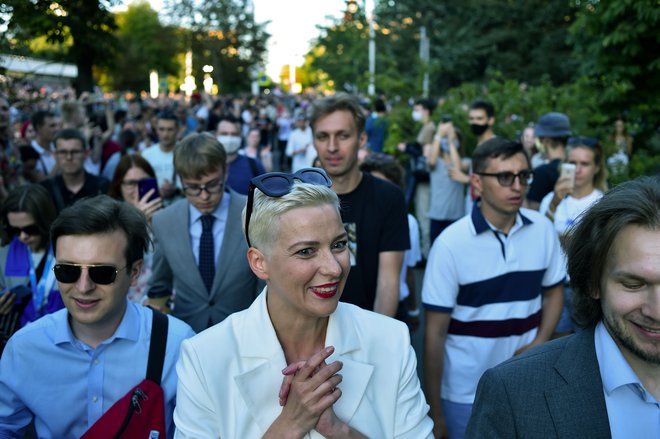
(633, 412)
(220, 213)
(49, 375)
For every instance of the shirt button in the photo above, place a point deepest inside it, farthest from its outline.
(95, 398)
(96, 362)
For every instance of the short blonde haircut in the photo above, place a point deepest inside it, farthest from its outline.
(266, 211)
(198, 155)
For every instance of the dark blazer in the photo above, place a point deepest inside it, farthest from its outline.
(552, 391)
(174, 268)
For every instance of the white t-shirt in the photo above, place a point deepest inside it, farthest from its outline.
(162, 162)
(297, 140)
(569, 209)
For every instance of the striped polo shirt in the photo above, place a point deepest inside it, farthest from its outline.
(492, 285)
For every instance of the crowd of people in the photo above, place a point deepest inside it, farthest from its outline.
(273, 231)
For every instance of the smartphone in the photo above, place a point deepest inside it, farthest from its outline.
(21, 291)
(145, 185)
(446, 118)
(568, 170)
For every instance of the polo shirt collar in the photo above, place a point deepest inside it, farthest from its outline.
(129, 327)
(481, 225)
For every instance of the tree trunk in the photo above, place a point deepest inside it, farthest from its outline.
(84, 81)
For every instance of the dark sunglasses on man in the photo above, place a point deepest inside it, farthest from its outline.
(99, 274)
(278, 184)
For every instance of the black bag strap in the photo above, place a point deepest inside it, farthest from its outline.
(157, 347)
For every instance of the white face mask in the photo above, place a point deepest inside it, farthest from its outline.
(416, 116)
(231, 143)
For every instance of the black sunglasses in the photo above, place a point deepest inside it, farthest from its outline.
(31, 230)
(506, 178)
(278, 184)
(100, 274)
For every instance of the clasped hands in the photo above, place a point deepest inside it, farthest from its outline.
(308, 392)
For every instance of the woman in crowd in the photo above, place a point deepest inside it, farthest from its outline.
(571, 198)
(252, 149)
(447, 195)
(131, 169)
(336, 370)
(26, 260)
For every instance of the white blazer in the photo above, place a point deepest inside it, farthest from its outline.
(230, 377)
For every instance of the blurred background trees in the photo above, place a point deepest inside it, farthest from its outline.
(592, 59)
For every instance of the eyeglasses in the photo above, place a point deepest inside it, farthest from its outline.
(506, 178)
(100, 274)
(278, 184)
(72, 153)
(212, 187)
(130, 183)
(31, 230)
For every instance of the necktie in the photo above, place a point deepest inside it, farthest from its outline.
(206, 252)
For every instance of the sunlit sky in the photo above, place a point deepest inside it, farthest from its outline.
(292, 27)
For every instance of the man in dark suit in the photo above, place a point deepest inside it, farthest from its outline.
(200, 252)
(603, 381)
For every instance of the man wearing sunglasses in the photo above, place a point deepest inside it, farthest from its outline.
(493, 285)
(199, 248)
(73, 183)
(65, 370)
(373, 211)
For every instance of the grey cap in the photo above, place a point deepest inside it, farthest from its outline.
(553, 125)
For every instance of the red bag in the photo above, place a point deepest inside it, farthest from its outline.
(141, 412)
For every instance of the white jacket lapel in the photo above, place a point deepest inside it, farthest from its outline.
(261, 377)
(356, 375)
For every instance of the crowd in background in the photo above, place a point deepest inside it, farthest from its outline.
(58, 149)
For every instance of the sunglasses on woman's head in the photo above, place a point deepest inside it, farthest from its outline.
(99, 274)
(278, 184)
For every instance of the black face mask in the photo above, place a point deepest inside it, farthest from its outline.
(478, 130)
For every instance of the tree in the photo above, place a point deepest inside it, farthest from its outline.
(618, 42)
(340, 52)
(525, 41)
(88, 23)
(223, 34)
(144, 44)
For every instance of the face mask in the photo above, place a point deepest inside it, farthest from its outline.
(416, 116)
(478, 130)
(231, 143)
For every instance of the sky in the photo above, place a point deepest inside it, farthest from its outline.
(292, 27)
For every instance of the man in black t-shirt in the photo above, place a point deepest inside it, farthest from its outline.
(73, 183)
(373, 211)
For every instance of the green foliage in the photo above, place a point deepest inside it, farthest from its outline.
(223, 34)
(618, 41)
(88, 23)
(145, 45)
(525, 41)
(340, 53)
